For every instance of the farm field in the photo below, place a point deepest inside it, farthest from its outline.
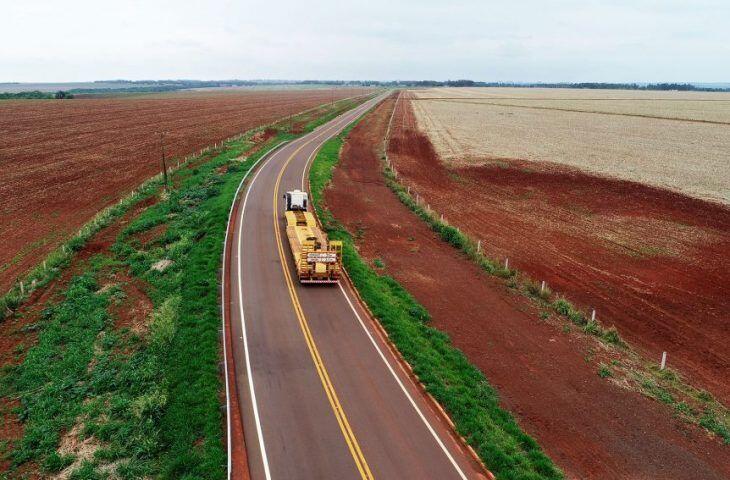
(545, 376)
(674, 140)
(63, 161)
(652, 262)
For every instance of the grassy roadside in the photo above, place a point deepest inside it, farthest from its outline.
(446, 373)
(623, 366)
(110, 391)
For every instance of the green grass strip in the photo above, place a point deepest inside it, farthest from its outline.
(444, 370)
(196, 216)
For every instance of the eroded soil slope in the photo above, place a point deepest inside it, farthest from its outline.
(63, 161)
(589, 426)
(654, 263)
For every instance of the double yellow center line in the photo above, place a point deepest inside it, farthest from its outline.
(329, 389)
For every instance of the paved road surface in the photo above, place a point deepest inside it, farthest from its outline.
(320, 394)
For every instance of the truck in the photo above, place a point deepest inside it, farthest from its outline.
(317, 259)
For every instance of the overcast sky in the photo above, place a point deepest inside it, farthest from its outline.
(582, 40)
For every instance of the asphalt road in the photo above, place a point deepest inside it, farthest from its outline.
(320, 394)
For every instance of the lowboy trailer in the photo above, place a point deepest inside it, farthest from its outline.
(317, 259)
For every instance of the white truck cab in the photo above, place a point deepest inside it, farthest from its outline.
(296, 200)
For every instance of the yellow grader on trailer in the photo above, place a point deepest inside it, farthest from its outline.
(317, 260)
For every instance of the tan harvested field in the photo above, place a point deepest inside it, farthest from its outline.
(674, 140)
(63, 161)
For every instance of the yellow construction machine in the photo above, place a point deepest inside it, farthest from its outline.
(317, 260)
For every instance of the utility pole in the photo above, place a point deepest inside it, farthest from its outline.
(164, 163)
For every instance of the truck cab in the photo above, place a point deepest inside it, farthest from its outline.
(296, 200)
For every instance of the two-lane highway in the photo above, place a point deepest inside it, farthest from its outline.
(320, 394)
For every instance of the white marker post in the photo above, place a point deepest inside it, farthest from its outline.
(664, 361)
(506, 263)
(593, 315)
(22, 288)
(542, 287)
(479, 246)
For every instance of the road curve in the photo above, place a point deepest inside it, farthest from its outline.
(319, 393)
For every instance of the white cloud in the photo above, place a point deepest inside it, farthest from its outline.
(529, 40)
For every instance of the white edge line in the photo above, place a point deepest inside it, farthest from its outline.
(390, 368)
(400, 383)
(223, 303)
(249, 371)
(259, 431)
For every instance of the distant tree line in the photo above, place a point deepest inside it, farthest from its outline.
(684, 87)
(154, 86)
(36, 95)
(471, 83)
(587, 85)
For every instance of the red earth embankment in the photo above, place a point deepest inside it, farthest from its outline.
(654, 263)
(589, 426)
(63, 161)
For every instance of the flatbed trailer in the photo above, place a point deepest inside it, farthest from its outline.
(317, 260)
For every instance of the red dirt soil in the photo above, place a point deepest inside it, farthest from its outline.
(63, 161)
(588, 425)
(654, 263)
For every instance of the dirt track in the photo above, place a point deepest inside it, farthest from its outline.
(590, 427)
(63, 161)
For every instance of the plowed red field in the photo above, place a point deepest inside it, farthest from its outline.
(655, 264)
(63, 161)
(591, 427)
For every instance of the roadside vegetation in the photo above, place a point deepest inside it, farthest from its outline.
(36, 95)
(445, 372)
(111, 389)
